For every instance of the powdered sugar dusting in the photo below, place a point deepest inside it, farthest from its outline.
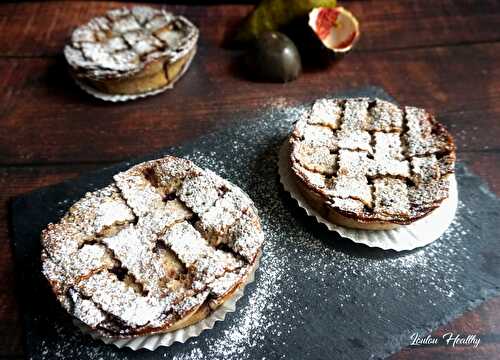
(311, 283)
(123, 41)
(368, 144)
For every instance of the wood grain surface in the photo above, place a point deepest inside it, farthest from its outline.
(442, 55)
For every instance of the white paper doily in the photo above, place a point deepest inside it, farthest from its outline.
(152, 342)
(406, 237)
(120, 98)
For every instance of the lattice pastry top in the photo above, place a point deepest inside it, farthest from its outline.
(146, 252)
(371, 160)
(121, 43)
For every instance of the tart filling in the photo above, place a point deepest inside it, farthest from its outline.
(371, 161)
(160, 248)
(130, 51)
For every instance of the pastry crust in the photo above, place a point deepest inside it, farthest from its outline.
(131, 51)
(368, 164)
(159, 249)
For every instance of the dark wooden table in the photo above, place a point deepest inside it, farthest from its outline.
(443, 55)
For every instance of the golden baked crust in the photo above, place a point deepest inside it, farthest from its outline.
(368, 164)
(159, 249)
(131, 51)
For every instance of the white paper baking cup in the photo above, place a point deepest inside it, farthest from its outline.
(121, 98)
(152, 342)
(406, 237)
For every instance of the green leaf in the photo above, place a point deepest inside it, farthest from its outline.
(271, 15)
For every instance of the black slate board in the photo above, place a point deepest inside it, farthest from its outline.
(316, 296)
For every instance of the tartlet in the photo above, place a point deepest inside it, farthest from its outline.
(369, 164)
(131, 50)
(158, 249)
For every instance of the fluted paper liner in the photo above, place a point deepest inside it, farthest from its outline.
(121, 98)
(152, 342)
(406, 237)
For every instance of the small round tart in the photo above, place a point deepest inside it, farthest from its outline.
(131, 51)
(157, 250)
(369, 164)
